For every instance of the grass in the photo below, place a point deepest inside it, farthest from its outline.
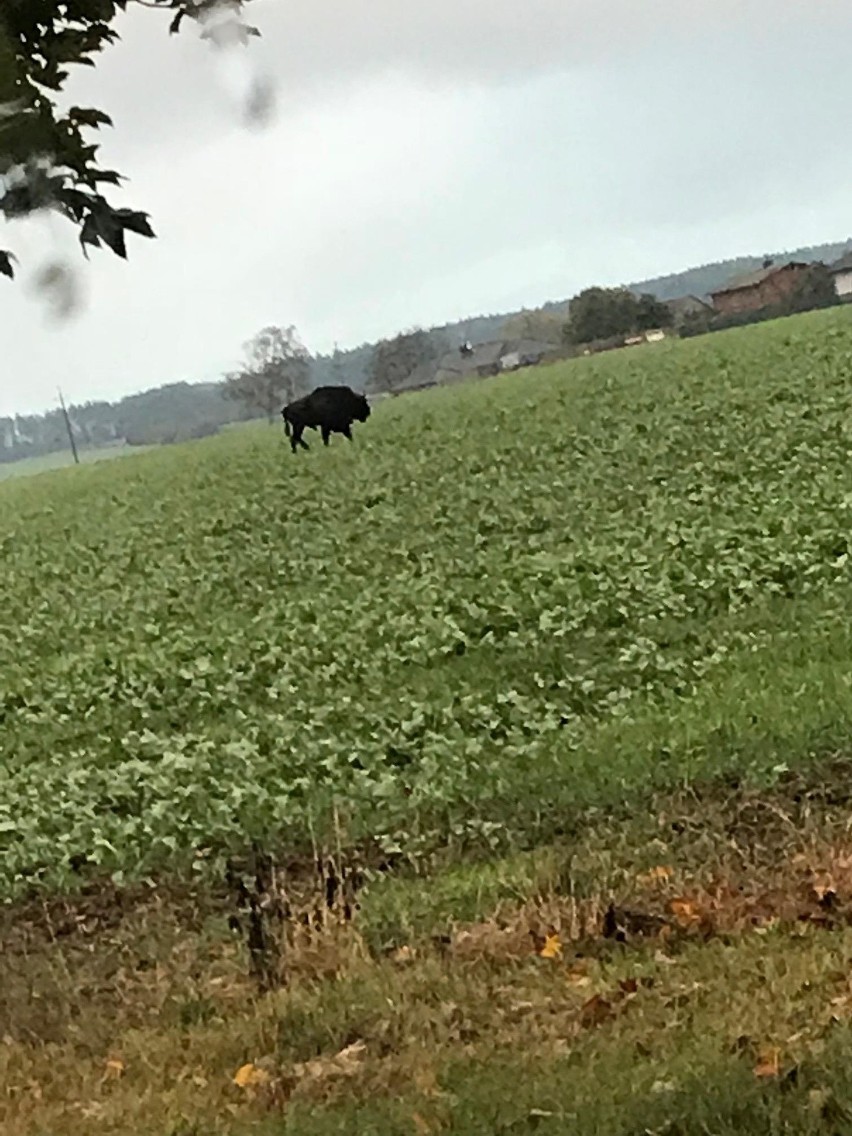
(143, 1026)
(569, 650)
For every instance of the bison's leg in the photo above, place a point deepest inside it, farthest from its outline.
(297, 439)
(326, 434)
(346, 430)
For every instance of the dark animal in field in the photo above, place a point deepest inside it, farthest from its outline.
(331, 410)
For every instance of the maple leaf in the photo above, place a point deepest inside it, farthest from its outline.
(552, 947)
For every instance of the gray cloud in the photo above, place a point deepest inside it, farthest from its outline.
(432, 161)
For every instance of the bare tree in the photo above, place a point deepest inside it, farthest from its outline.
(277, 369)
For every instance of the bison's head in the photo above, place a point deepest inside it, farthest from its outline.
(362, 410)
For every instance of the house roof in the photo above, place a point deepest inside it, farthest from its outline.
(420, 377)
(753, 279)
(682, 305)
(487, 354)
(844, 264)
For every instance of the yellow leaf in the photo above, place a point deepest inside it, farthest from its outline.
(114, 1067)
(552, 947)
(248, 1076)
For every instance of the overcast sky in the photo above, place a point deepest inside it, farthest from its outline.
(428, 162)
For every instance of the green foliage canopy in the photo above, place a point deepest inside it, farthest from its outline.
(47, 159)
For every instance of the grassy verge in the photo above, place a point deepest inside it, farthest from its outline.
(688, 966)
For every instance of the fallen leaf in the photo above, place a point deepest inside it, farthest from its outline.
(552, 947)
(823, 885)
(578, 978)
(114, 1067)
(628, 986)
(250, 1076)
(768, 1063)
(595, 1011)
(346, 1063)
(658, 875)
(404, 954)
(684, 912)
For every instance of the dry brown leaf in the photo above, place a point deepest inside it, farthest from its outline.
(552, 947)
(249, 1076)
(404, 954)
(768, 1062)
(595, 1011)
(658, 875)
(114, 1067)
(685, 912)
(823, 886)
(578, 977)
(346, 1063)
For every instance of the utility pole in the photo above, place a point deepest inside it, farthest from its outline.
(68, 428)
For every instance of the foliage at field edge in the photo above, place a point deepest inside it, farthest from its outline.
(439, 629)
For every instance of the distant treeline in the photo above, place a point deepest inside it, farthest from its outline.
(181, 411)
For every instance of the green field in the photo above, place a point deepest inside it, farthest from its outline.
(26, 467)
(505, 604)
(560, 640)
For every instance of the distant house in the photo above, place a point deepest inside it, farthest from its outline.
(687, 307)
(523, 353)
(419, 379)
(490, 359)
(841, 273)
(770, 285)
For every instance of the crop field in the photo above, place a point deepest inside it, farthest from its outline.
(26, 467)
(507, 604)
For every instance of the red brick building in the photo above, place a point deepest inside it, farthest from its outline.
(762, 289)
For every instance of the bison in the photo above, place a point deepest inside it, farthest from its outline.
(331, 410)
